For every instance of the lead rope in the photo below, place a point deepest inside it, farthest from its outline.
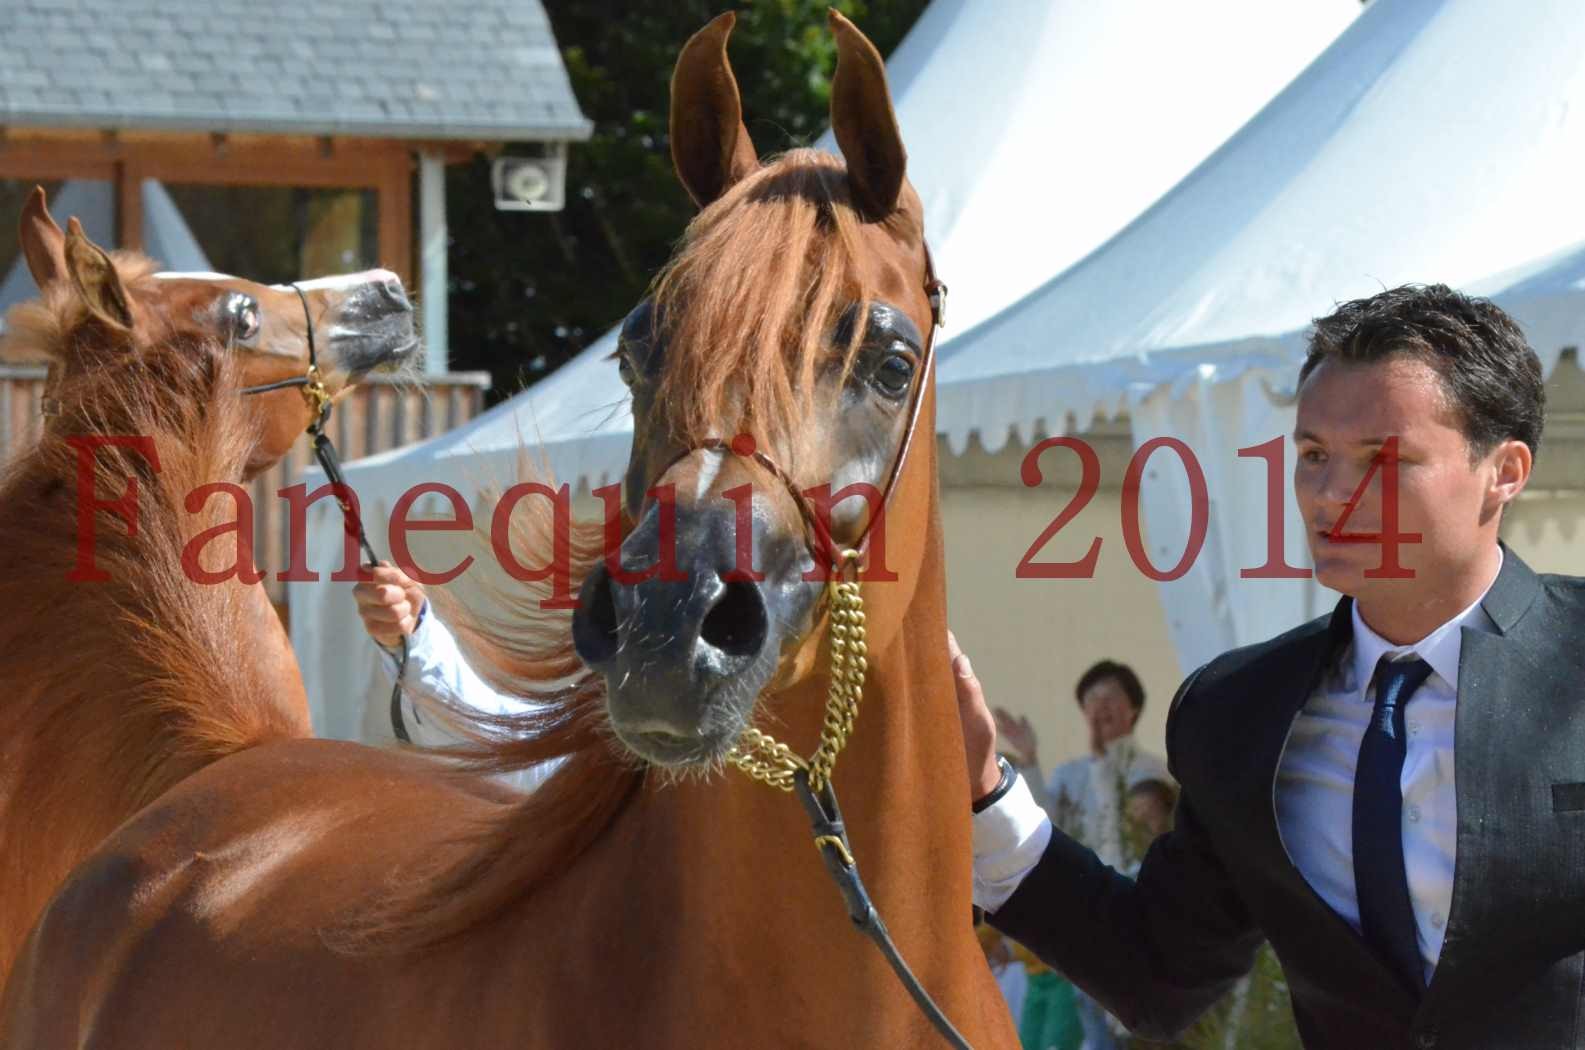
(319, 405)
(764, 758)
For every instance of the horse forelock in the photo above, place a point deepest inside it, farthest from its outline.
(748, 307)
(750, 304)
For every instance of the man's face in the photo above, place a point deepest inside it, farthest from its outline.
(1108, 711)
(1346, 413)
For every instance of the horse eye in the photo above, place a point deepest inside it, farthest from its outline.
(624, 368)
(245, 320)
(894, 375)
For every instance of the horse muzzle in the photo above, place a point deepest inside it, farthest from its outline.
(686, 649)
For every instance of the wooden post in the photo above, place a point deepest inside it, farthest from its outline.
(129, 205)
(395, 196)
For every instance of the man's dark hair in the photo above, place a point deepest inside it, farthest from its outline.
(1490, 375)
(1125, 677)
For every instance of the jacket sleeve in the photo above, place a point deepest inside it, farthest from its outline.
(1156, 952)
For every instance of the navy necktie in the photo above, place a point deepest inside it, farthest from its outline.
(1386, 916)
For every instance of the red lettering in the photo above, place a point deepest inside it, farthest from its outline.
(1276, 566)
(242, 566)
(742, 497)
(1199, 509)
(874, 569)
(125, 507)
(461, 521)
(298, 499)
(1385, 460)
(559, 568)
(1089, 483)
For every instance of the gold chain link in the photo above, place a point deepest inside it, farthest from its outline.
(772, 762)
(315, 394)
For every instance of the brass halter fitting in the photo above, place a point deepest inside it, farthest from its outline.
(767, 759)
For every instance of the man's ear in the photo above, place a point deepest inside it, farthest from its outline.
(1511, 463)
(96, 280)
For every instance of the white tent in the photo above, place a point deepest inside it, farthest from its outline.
(1033, 132)
(1434, 141)
(1010, 121)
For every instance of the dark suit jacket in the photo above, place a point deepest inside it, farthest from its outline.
(1159, 951)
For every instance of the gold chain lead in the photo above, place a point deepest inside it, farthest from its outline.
(772, 762)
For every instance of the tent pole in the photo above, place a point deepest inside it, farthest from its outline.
(432, 258)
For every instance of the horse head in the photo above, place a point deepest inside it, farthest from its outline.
(344, 326)
(777, 370)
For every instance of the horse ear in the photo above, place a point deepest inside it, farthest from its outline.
(710, 147)
(96, 279)
(43, 243)
(864, 122)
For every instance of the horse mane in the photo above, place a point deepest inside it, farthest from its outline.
(747, 306)
(750, 303)
(171, 651)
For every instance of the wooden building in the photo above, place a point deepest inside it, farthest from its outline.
(228, 104)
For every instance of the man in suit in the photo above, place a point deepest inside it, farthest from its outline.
(1394, 795)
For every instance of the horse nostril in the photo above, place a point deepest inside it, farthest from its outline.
(737, 624)
(392, 286)
(594, 623)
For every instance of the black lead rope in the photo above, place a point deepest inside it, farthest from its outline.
(330, 463)
(831, 838)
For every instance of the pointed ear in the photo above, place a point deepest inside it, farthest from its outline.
(96, 279)
(864, 122)
(710, 147)
(43, 244)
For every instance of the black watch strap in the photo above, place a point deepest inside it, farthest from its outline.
(1003, 786)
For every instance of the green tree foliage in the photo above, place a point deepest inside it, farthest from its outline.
(529, 290)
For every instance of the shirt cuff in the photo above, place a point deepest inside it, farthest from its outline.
(1009, 839)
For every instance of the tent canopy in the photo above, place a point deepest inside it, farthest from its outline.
(1033, 134)
(1400, 155)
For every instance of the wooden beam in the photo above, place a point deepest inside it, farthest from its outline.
(129, 205)
(395, 196)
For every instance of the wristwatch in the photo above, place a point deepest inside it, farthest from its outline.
(1003, 786)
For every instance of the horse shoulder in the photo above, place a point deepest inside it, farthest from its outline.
(245, 865)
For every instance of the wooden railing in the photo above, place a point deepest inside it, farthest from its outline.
(381, 413)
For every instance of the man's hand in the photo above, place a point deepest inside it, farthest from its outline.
(979, 727)
(389, 604)
(1018, 736)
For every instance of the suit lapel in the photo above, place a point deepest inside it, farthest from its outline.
(1345, 948)
(1498, 749)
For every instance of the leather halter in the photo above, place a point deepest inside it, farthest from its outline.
(817, 535)
(820, 803)
(319, 405)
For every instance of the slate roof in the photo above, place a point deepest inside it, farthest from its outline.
(436, 69)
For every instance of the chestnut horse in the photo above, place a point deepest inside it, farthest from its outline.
(319, 893)
(92, 725)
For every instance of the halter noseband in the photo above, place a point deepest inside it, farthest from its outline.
(817, 534)
(319, 405)
(312, 384)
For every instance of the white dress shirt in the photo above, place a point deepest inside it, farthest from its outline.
(435, 665)
(1314, 791)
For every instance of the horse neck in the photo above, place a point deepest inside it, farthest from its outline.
(722, 876)
(78, 652)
